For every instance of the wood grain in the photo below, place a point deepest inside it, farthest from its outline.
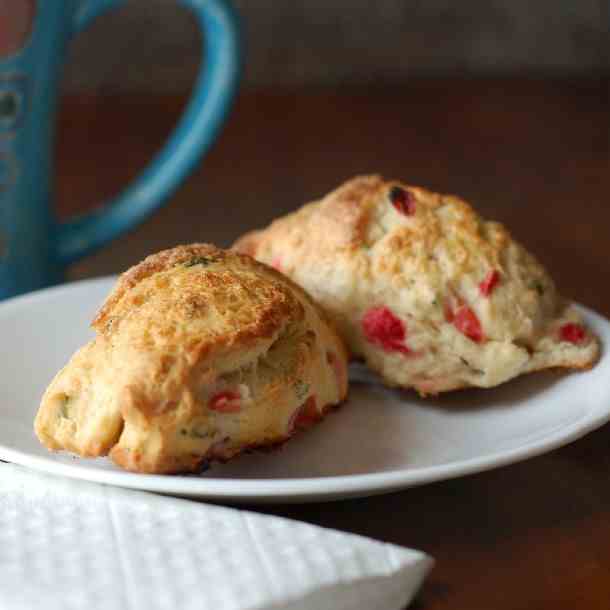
(534, 154)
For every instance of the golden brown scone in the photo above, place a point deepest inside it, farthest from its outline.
(428, 293)
(200, 354)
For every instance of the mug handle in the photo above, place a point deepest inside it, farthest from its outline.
(199, 125)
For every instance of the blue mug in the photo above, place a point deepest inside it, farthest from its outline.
(34, 247)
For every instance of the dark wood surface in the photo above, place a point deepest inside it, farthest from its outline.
(533, 154)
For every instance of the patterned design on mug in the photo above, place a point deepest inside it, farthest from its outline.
(13, 90)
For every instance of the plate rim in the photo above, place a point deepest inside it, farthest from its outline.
(311, 488)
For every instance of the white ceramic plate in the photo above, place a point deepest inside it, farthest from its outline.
(379, 441)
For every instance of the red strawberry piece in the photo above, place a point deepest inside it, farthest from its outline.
(573, 333)
(383, 328)
(402, 200)
(225, 402)
(489, 283)
(466, 321)
(306, 415)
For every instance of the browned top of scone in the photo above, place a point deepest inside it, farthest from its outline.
(155, 263)
(351, 219)
(198, 297)
(338, 221)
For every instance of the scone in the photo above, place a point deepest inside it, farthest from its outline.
(199, 355)
(429, 294)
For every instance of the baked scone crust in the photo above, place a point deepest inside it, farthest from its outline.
(431, 295)
(199, 355)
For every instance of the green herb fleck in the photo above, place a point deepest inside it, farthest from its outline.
(472, 368)
(537, 286)
(196, 432)
(200, 260)
(434, 302)
(8, 105)
(301, 389)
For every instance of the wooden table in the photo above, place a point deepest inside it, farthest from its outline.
(533, 154)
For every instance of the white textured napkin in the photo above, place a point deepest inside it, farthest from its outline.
(68, 544)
